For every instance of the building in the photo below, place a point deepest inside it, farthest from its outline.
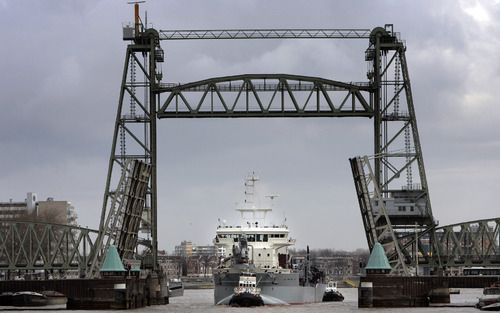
(185, 249)
(334, 266)
(196, 260)
(201, 266)
(59, 212)
(15, 210)
(170, 265)
(32, 209)
(200, 251)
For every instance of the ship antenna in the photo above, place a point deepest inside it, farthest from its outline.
(284, 219)
(137, 19)
(272, 197)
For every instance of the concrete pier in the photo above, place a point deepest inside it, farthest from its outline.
(414, 291)
(99, 294)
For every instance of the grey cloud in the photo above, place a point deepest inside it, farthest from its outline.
(62, 63)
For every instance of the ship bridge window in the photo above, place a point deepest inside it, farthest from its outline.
(251, 238)
(258, 237)
(265, 238)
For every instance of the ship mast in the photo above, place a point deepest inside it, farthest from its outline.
(251, 215)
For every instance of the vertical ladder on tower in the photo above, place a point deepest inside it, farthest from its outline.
(132, 85)
(378, 227)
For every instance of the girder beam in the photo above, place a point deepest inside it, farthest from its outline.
(265, 34)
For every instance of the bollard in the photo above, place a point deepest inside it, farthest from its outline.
(439, 295)
(365, 295)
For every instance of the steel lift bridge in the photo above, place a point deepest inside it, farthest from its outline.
(391, 184)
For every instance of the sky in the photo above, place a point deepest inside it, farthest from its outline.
(61, 65)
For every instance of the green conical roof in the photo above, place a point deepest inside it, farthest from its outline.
(378, 260)
(112, 261)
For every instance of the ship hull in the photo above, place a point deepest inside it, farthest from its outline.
(276, 288)
(175, 289)
(277, 295)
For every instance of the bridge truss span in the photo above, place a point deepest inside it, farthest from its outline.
(266, 95)
(31, 245)
(473, 243)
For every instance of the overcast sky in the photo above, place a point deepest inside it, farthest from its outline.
(61, 66)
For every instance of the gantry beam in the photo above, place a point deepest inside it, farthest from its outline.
(265, 34)
(266, 95)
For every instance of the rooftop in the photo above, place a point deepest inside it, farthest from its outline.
(112, 261)
(378, 260)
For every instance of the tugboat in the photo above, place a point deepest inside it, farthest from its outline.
(331, 293)
(260, 248)
(175, 287)
(247, 294)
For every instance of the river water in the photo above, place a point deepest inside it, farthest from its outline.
(201, 301)
(195, 301)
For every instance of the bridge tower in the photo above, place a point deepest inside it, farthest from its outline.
(134, 139)
(397, 151)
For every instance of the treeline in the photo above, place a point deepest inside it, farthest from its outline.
(363, 253)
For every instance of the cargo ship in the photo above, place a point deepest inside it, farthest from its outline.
(261, 249)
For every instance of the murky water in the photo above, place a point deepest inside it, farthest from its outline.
(201, 301)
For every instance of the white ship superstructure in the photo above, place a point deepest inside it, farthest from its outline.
(261, 248)
(265, 243)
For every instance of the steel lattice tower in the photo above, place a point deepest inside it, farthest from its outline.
(134, 136)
